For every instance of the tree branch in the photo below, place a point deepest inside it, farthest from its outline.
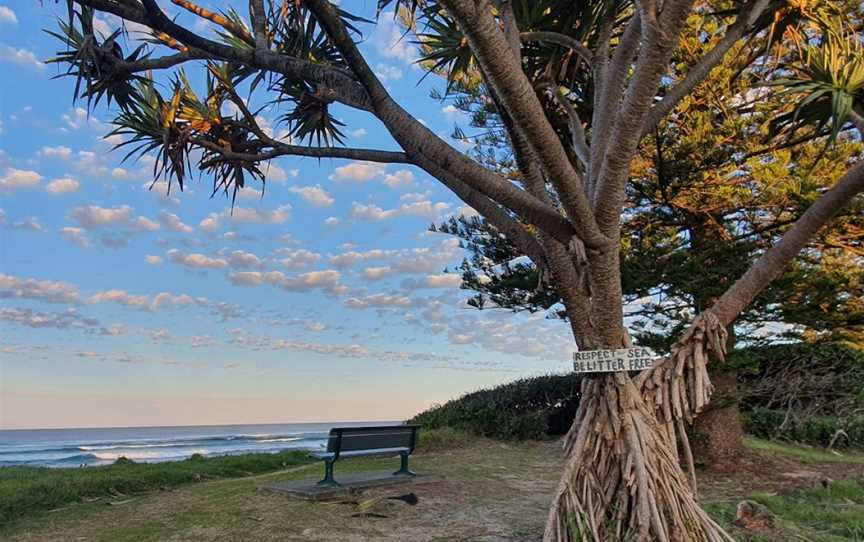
(653, 61)
(523, 106)
(609, 78)
(284, 149)
(772, 262)
(699, 71)
(577, 132)
(339, 85)
(259, 21)
(559, 39)
(424, 146)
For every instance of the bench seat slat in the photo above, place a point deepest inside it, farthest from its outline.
(360, 453)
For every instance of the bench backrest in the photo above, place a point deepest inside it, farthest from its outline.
(349, 439)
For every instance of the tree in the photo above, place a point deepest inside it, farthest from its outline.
(622, 478)
(702, 204)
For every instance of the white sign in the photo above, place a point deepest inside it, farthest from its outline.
(606, 361)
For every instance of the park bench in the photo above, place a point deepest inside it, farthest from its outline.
(385, 440)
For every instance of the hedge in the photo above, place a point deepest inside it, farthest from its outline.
(529, 408)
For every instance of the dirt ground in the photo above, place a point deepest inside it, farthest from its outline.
(487, 492)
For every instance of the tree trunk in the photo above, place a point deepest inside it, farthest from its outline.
(718, 434)
(622, 477)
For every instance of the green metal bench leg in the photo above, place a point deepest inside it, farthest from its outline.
(403, 468)
(328, 475)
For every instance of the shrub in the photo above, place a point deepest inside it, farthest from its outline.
(836, 431)
(813, 379)
(442, 439)
(529, 408)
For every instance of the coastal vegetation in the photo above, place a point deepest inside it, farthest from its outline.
(480, 489)
(32, 490)
(807, 393)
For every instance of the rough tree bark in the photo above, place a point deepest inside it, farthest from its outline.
(622, 478)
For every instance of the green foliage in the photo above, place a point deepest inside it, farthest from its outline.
(529, 408)
(93, 63)
(829, 79)
(822, 379)
(825, 431)
(31, 490)
(443, 439)
(705, 202)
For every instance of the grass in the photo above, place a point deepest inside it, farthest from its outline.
(443, 438)
(820, 514)
(483, 490)
(31, 490)
(805, 454)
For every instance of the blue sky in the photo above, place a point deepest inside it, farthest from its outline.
(323, 300)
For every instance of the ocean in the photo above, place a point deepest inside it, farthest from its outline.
(102, 446)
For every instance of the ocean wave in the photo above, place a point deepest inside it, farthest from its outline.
(181, 442)
(91, 447)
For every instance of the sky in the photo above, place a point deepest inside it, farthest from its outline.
(325, 299)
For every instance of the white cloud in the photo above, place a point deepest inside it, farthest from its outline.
(7, 15)
(423, 209)
(274, 173)
(258, 216)
(18, 178)
(440, 280)
(416, 261)
(451, 113)
(377, 273)
(160, 335)
(172, 222)
(401, 179)
(295, 260)
(358, 133)
(357, 172)
(386, 72)
(76, 236)
(94, 216)
(12, 287)
(316, 327)
(29, 224)
(378, 301)
(348, 259)
(249, 192)
(332, 221)
(209, 224)
(142, 223)
(145, 302)
(64, 185)
(201, 341)
(416, 196)
(244, 260)
(467, 211)
(59, 151)
(326, 280)
(315, 195)
(153, 260)
(120, 173)
(80, 118)
(59, 320)
(390, 40)
(195, 260)
(23, 57)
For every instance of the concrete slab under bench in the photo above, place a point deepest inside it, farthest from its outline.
(349, 484)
